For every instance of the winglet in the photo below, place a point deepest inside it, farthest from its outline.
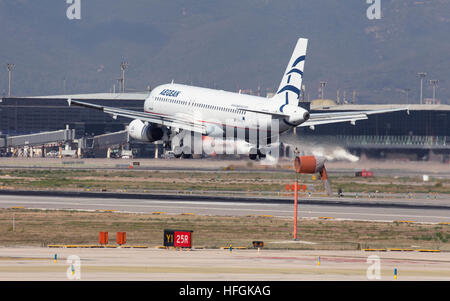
(69, 101)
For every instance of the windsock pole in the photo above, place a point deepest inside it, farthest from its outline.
(295, 207)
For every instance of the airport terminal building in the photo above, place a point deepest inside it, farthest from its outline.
(20, 116)
(423, 134)
(30, 115)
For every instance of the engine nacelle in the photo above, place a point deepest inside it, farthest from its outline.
(145, 132)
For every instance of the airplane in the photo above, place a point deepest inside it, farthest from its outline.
(174, 111)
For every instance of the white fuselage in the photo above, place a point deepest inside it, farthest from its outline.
(216, 109)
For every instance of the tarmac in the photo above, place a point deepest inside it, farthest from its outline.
(22, 264)
(149, 264)
(379, 167)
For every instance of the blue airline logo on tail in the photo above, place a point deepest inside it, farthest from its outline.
(290, 72)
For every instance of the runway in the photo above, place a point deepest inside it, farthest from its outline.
(368, 210)
(212, 265)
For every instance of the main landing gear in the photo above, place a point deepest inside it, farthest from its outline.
(182, 151)
(174, 144)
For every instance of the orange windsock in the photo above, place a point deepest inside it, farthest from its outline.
(308, 164)
(313, 164)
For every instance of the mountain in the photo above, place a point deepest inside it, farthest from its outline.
(229, 45)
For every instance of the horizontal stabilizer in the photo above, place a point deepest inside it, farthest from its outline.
(352, 117)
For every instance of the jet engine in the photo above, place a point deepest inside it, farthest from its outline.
(145, 132)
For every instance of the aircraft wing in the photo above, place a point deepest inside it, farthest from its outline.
(352, 117)
(169, 121)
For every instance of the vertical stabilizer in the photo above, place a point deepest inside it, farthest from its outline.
(291, 83)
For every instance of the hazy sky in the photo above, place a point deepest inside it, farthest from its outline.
(225, 44)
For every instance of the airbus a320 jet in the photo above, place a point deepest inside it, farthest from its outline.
(172, 110)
